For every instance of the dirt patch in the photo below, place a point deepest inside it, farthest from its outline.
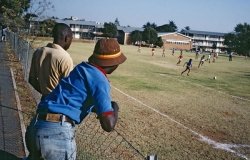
(229, 114)
(218, 136)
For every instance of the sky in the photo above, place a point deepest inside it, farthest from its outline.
(202, 15)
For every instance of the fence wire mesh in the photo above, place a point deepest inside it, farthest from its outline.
(94, 143)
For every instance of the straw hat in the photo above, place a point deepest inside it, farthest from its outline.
(107, 53)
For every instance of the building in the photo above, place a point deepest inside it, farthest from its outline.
(207, 41)
(86, 29)
(82, 29)
(176, 40)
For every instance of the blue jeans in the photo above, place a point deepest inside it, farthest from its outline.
(50, 140)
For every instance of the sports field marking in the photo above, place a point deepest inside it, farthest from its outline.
(223, 146)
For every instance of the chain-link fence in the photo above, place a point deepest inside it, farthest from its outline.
(93, 143)
(22, 49)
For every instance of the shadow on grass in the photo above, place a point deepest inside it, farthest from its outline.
(167, 74)
(245, 74)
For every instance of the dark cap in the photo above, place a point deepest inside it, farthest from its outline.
(107, 53)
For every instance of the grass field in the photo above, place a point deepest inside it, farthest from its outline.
(174, 116)
(181, 117)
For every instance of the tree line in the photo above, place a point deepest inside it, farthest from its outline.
(149, 34)
(239, 40)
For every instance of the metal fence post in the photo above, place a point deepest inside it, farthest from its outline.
(26, 60)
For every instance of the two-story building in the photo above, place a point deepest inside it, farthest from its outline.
(185, 40)
(83, 29)
(207, 41)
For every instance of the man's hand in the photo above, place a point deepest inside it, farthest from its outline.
(108, 121)
(115, 106)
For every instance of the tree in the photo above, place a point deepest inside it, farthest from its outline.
(164, 28)
(12, 6)
(149, 35)
(17, 14)
(109, 30)
(27, 19)
(148, 24)
(11, 12)
(171, 27)
(117, 23)
(136, 36)
(46, 27)
(187, 28)
(231, 41)
(159, 42)
(240, 40)
(214, 46)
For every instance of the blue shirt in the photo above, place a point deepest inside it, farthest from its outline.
(76, 95)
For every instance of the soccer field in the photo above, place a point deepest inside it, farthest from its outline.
(180, 117)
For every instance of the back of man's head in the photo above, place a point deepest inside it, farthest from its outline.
(60, 32)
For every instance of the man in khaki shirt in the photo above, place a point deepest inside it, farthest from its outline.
(52, 62)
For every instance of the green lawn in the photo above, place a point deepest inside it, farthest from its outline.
(142, 71)
(164, 113)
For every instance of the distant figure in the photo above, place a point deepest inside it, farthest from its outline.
(214, 56)
(201, 51)
(3, 38)
(209, 58)
(201, 61)
(180, 59)
(196, 54)
(139, 49)
(163, 52)
(173, 52)
(231, 56)
(153, 51)
(217, 55)
(188, 67)
(181, 51)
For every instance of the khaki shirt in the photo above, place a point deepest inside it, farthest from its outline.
(49, 65)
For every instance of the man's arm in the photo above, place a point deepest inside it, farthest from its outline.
(33, 75)
(108, 119)
(33, 81)
(66, 66)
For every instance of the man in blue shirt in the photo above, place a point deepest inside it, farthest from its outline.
(50, 134)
